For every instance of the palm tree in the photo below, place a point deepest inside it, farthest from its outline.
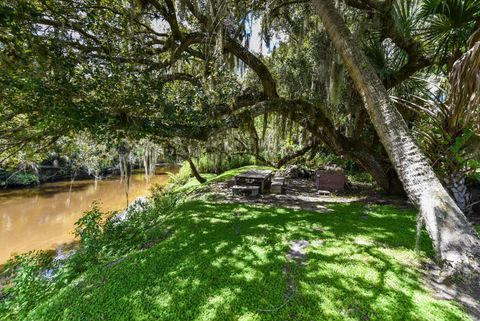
(464, 114)
(456, 243)
(448, 26)
(449, 23)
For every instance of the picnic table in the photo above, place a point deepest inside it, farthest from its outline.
(254, 177)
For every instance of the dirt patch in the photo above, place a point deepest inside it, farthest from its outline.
(465, 293)
(298, 250)
(296, 256)
(301, 194)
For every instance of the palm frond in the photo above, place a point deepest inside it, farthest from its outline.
(465, 83)
(450, 22)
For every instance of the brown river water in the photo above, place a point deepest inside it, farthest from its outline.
(44, 217)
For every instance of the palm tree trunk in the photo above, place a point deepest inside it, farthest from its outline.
(458, 188)
(455, 242)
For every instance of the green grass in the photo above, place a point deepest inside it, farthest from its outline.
(232, 173)
(219, 266)
(193, 183)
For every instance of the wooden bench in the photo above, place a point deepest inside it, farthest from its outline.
(324, 193)
(249, 190)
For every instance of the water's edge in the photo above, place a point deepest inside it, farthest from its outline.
(43, 217)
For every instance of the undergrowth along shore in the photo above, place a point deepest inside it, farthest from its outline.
(179, 258)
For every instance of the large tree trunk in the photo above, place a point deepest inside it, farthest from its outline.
(283, 161)
(458, 188)
(319, 125)
(195, 172)
(455, 242)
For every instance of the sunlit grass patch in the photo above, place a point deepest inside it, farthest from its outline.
(234, 172)
(193, 183)
(220, 265)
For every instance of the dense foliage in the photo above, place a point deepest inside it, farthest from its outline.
(166, 70)
(32, 277)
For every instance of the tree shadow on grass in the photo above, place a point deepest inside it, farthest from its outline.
(225, 262)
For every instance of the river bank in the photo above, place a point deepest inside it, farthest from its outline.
(195, 252)
(43, 217)
(50, 173)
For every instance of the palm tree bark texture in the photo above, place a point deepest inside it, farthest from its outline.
(455, 242)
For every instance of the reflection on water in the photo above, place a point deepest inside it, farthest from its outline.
(44, 217)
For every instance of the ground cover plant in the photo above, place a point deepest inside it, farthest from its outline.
(96, 87)
(230, 261)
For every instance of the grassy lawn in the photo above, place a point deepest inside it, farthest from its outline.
(228, 262)
(212, 178)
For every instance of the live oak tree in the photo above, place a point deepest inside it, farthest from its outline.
(116, 70)
(161, 69)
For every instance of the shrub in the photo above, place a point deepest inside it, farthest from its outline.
(27, 284)
(208, 164)
(32, 277)
(362, 177)
(20, 179)
(182, 176)
(165, 201)
(353, 170)
(89, 230)
(117, 236)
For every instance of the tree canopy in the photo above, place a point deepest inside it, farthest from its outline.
(164, 69)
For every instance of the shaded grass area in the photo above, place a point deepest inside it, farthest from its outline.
(232, 173)
(192, 183)
(227, 262)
